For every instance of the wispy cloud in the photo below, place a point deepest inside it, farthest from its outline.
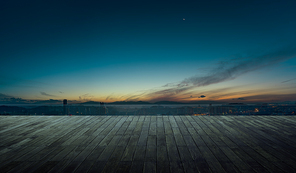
(109, 97)
(86, 97)
(45, 94)
(4, 96)
(10, 99)
(267, 98)
(239, 98)
(225, 71)
(7, 99)
(289, 80)
(229, 70)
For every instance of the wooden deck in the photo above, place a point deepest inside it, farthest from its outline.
(148, 144)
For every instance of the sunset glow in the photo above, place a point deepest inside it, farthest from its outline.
(140, 51)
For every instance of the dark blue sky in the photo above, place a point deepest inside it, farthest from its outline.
(131, 50)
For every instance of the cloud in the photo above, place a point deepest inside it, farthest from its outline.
(50, 101)
(45, 94)
(229, 70)
(2, 96)
(288, 80)
(202, 96)
(109, 97)
(86, 97)
(226, 71)
(6, 99)
(170, 84)
(239, 99)
(268, 98)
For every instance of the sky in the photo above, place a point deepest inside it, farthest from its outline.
(232, 51)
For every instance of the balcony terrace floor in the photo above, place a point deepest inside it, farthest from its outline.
(148, 144)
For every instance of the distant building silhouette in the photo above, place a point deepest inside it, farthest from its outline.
(65, 102)
(65, 106)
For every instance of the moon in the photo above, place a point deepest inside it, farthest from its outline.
(183, 18)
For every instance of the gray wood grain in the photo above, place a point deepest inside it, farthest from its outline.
(148, 144)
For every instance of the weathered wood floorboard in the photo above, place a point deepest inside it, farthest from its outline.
(148, 144)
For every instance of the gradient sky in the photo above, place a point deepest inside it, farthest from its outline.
(148, 50)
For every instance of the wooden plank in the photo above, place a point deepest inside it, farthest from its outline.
(130, 128)
(38, 160)
(94, 155)
(21, 125)
(250, 156)
(151, 151)
(9, 166)
(66, 163)
(214, 164)
(63, 153)
(136, 118)
(151, 154)
(162, 154)
(205, 144)
(173, 121)
(153, 118)
(173, 155)
(159, 125)
(44, 163)
(149, 167)
(275, 140)
(187, 160)
(152, 128)
(130, 148)
(167, 128)
(138, 128)
(144, 133)
(165, 118)
(198, 159)
(223, 149)
(160, 140)
(147, 118)
(240, 158)
(124, 166)
(97, 166)
(130, 118)
(83, 167)
(162, 167)
(148, 143)
(104, 156)
(140, 152)
(216, 152)
(141, 118)
(124, 140)
(123, 128)
(182, 127)
(137, 166)
(244, 143)
(265, 149)
(283, 134)
(114, 159)
(151, 141)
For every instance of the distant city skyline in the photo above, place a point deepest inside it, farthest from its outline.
(224, 51)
